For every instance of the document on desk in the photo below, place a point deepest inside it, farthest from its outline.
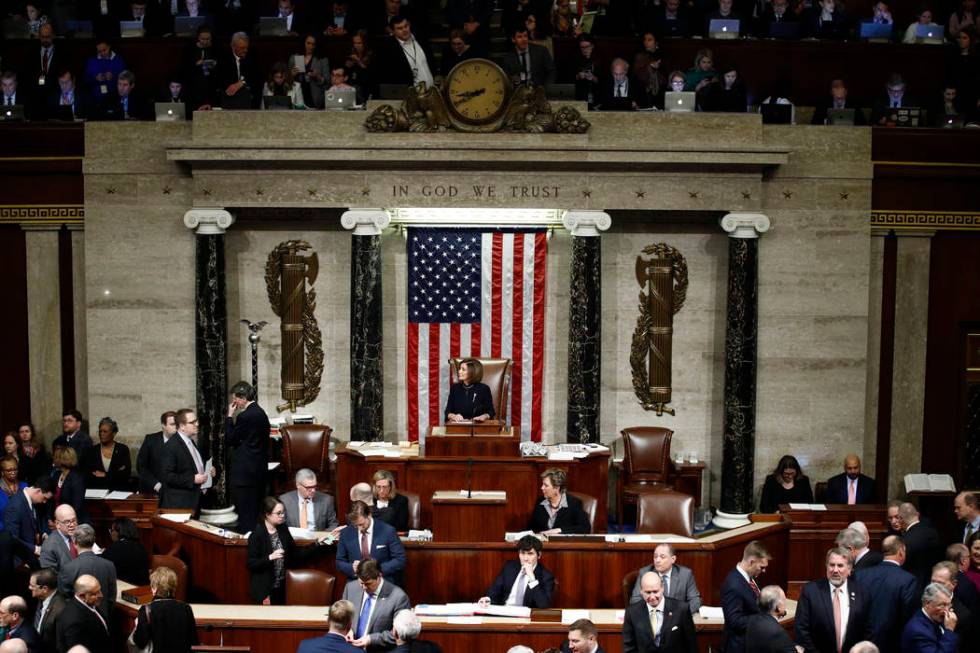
(484, 494)
(272, 466)
(707, 612)
(445, 610)
(177, 517)
(118, 495)
(562, 455)
(302, 533)
(96, 494)
(571, 616)
(209, 481)
(504, 611)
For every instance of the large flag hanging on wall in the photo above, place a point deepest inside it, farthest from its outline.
(474, 292)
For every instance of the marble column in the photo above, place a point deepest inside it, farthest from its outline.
(584, 321)
(81, 336)
(741, 331)
(44, 327)
(366, 372)
(211, 336)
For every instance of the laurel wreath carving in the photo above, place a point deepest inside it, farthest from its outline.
(312, 337)
(639, 347)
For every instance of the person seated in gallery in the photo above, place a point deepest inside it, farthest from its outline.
(389, 506)
(786, 484)
(558, 512)
(522, 582)
(469, 399)
(852, 487)
(108, 466)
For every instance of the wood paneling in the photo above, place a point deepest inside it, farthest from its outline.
(15, 384)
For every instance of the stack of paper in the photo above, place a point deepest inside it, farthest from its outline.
(571, 616)
(707, 612)
(117, 496)
(96, 494)
(177, 517)
(513, 537)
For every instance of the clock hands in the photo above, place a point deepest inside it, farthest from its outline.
(469, 95)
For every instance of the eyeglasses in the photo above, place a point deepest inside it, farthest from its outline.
(68, 522)
(308, 487)
(278, 513)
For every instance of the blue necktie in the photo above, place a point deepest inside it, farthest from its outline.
(362, 621)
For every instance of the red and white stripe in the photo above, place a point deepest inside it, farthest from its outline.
(511, 326)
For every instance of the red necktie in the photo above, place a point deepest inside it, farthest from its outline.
(755, 588)
(71, 548)
(365, 553)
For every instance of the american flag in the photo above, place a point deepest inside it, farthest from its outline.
(475, 293)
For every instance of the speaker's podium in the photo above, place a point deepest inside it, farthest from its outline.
(488, 439)
(464, 516)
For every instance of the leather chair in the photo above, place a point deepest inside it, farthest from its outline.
(179, 567)
(819, 492)
(496, 375)
(307, 445)
(589, 504)
(629, 580)
(166, 542)
(646, 463)
(414, 510)
(309, 587)
(666, 511)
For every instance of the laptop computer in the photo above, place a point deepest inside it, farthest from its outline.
(392, 91)
(188, 25)
(784, 29)
(876, 32)
(910, 117)
(239, 101)
(60, 112)
(342, 98)
(930, 34)
(680, 101)
(724, 28)
(277, 103)
(170, 111)
(12, 114)
(129, 29)
(274, 26)
(776, 114)
(840, 116)
(560, 91)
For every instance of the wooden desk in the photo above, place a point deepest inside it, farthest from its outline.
(474, 439)
(139, 507)
(812, 533)
(426, 474)
(465, 519)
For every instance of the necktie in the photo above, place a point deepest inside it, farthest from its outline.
(666, 580)
(851, 492)
(521, 588)
(837, 620)
(303, 519)
(45, 58)
(524, 70)
(72, 549)
(619, 89)
(65, 99)
(38, 615)
(365, 552)
(195, 454)
(755, 588)
(655, 625)
(362, 621)
(969, 531)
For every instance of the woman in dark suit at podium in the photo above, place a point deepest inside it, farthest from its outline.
(558, 512)
(469, 399)
(389, 506)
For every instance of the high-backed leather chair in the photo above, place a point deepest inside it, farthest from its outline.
(309, 587)
(414, 510)
(666, 511)
(646, 463)
(589, 504)
(496, 375)
(307, 445)
(626, 587)
(179, 567)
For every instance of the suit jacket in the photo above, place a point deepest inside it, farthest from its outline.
(130, 560)
(72, 493)
(248, 434)
(738, 603)
(149, 463)
(837, 485)
(54, 552)
(262, 569)
(676, 632)
(26, 632)
(170, 627)
(12, 550)
(882, 106)
(607, 92)
(93, 565)
(571, 520)
(77, 624)
(30, 73)
(119, 472)
(921, 635)
(967, 592)
(49, 626)
(396, 68)
(138, 108)
(896, 598)
(386, 548)
(179, 489)
(870, 559)
(329, 643)
(324, 513)
(542, 65)
(538, 596)
(815, 617)
(681, 586)
(80, 441)
(389, 600)
(395, 514)
(765, 635)
(21, 520)
(226, 74)
(923, 549)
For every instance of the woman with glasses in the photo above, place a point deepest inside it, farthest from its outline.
(389, 506)
(9, 485)
(271, 550)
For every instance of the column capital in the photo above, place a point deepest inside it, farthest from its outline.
(208, 222)
(746, 225)
(365, 222)
(586, 223)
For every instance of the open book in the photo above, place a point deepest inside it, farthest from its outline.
(929, 483)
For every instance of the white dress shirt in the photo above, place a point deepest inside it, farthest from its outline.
(417, 61)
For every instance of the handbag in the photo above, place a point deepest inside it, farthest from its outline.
(131, 646)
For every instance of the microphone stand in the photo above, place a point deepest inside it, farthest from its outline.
(469, 478)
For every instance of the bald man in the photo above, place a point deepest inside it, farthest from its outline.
(658, 622)
(852, 487)
(59, 547)
(14, 617)
(80, 623)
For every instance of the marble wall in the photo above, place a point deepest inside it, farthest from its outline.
(44, 326)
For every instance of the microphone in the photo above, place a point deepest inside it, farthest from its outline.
(469, 478)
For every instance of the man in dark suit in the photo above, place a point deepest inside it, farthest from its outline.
(237, 76)
(523, 582)
(80, 623)
(838, 100)
(65, 94)
(13, 617)
(20, 518)
(619, 92)
(854, 538)
(933, 628)
(778, 11)
(149, 460)
(129, 103)
(966, 591)
(945, 574)
(307, 507)
(50, 603)
(895, 97)
(89, 564)
(678, 580)
(895, 593)
(42, 66)
(376, 601)
(833, 613)
(966, 506)
(406, 628)
(923, 548)
(408, 61)
(739, 594)
(852, 487)
(369, 538)
(528, 63)
(11, 551)
(247, 433)
(183, 466)
(582, 638)
(764, 634)
(658, 623)
(339, 619)
(72, 434)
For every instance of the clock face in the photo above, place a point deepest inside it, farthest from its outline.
(477, 91)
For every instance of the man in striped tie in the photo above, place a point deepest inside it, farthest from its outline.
(739, 595)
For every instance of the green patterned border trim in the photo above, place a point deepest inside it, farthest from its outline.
(57, 214)
(922, 221)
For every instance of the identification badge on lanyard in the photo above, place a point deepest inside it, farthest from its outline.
(40, 80)
(103, 89)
